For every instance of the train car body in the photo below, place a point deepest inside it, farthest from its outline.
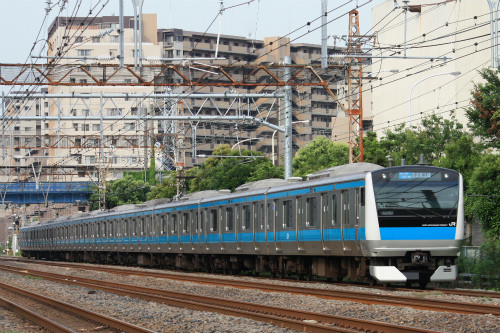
(361, 221)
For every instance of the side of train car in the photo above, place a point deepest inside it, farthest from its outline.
(402, 224)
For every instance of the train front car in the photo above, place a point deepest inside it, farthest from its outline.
(414, 224)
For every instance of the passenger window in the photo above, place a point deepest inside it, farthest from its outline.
(185, 222)
(163, 220)
(143, 226)
(262, 217)
(345, 207)
(270, 214)
(134, 227)
(311, 212)
(174, 223)
(287, 214)
(229, 219)
(213, 220)
(246, 216)
(334, 210)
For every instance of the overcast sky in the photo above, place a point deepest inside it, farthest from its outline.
(22, 20)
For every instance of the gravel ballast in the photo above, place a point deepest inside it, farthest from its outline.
(163, 318)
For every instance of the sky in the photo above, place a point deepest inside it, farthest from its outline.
(22, 22)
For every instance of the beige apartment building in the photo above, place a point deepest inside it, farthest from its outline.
(419, 86)
(91, 149)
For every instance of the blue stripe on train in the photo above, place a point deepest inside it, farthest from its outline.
(420, 233)
(247, 237)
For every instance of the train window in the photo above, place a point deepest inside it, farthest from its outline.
(185, 222)
(229, 219)
(134, 227)
(205, 220)
(213, 220)
(201, 221)
(143, 226)
(287, 214)
(173, 221)
(196, 222)
(163, 220)
(345, 207)
(111, 228)
(262, 216)
(270, 214)
(334, 210)
(104, 229)
(312, 212)
(246, 216)
(126, 227)
(362, 196)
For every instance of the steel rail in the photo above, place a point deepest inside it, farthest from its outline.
(78, 311)
(294, 319)
(35, 317)
(356, 296)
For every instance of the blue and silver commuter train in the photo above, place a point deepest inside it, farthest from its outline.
(361, 221)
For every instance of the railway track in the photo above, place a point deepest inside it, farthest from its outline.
(60, 317)
(364, 297)
(294, 319)
(200, 279)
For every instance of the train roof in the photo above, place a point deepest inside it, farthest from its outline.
(344, 170)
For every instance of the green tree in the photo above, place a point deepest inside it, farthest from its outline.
(166, 189)
(430, 139)
(126, 190)
(484, 114)
(461, 155)
(230, 172)
(319, 154)
(484, 191)
(373, 152)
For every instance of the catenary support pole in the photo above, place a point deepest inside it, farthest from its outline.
(288, 119)
(324, 34)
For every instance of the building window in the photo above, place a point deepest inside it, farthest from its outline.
(84, 53)
(89, 159)
(115, 39)
(115, 112)
(96, 40)
(85, 112)
(73, 112)
(129, 126)
(75, 127)
(79, 39)
(96, 127)
(86, 127)
(131, 160)
(133, 111)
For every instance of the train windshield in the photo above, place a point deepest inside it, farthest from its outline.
(421, 196)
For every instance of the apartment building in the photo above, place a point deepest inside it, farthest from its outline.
(94, 149)
(422, 84)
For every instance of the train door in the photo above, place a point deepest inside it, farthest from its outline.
(359, 213)
(345, 224)
(271, 217)
(194, 229)
(300, 221)
(185, 240)
(228, 237)
(285, 230)
(245, 229)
